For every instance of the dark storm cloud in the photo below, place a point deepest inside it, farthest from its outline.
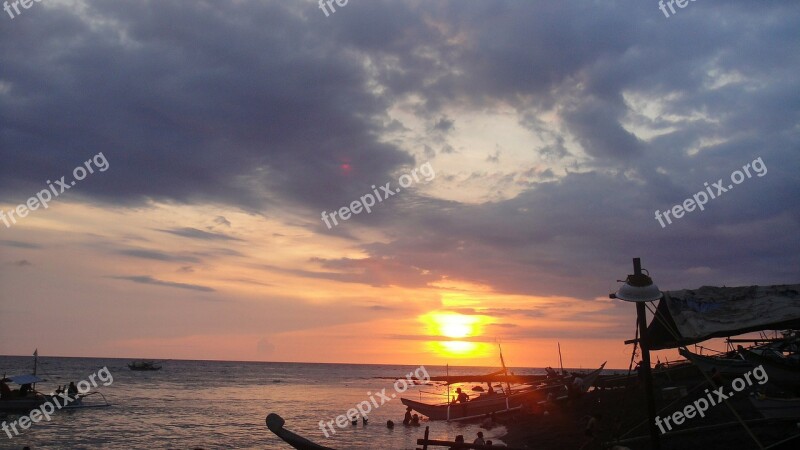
(247, 103)
(597, 127)
(601, 331)
(444, 124)
(575, 236)
(363, 271)
(259, 105)
(158, 256)
(194, 233)
(500, 312)
(220, 220)
(20, 244)
(145, 279)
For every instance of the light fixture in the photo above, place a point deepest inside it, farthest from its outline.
(638, 288)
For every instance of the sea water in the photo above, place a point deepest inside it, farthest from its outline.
(223, 405)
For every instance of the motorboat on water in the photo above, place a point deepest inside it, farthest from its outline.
(144, 365)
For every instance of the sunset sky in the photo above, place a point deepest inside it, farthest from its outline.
(555, 130)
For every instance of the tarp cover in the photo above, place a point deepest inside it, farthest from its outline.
(25, 379)
(688, 316)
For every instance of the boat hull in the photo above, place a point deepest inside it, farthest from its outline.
(777, 408)
(275, 424)
(779, 372)
(475, 408)
(498, 403)
(725, 366)
(21, 405)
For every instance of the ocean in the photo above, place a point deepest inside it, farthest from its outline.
(223, 405)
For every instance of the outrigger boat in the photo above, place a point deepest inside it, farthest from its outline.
(498, 403)
(479, 407)
(690, 316)
(275, 424)
(17, 402)
(777, 408)
(781, 370)
(733, 366)
(78, 402)
(27, 398)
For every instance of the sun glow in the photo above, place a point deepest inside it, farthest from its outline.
(459, 346)
(460, 349)
(453, 325)
(456, 333)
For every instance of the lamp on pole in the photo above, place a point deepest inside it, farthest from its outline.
(639, 288)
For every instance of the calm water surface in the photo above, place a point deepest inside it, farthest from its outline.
(222, 405)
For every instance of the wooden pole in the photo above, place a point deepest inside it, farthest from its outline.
(425, 443)
(459, 445)
(641, 316)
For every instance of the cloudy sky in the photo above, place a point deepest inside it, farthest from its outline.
(552, 132)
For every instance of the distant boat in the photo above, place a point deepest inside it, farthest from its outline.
(144, 365)
(275, 424)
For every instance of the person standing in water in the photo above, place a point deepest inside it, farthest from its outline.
(407, 418)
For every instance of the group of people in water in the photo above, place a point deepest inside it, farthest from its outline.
(409, 420)
(478, 440)
(412, 420)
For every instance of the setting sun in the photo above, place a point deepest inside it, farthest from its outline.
(453, 329)
(456, 330)
(453, 325)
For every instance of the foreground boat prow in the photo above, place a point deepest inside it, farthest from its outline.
(275, 424)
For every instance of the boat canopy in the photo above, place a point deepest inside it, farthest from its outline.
(25, 379)
(688, 316)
